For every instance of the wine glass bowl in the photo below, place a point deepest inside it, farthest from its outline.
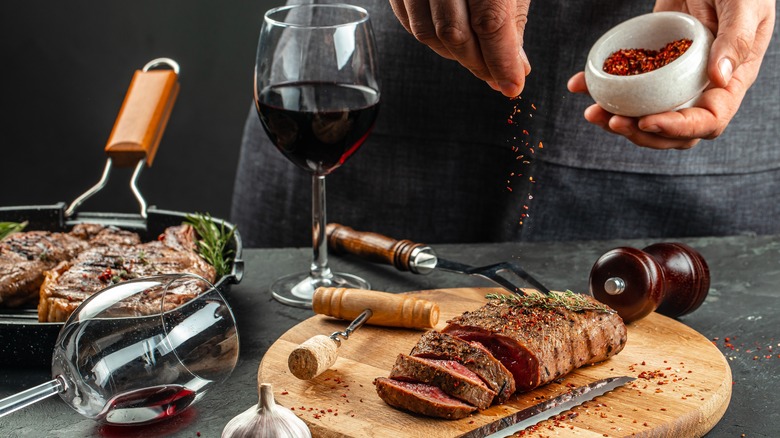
(317, 95)
(140, 351)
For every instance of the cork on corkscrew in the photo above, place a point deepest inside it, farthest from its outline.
(670, 278)
(320, 352)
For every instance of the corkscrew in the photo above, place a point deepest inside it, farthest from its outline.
(320, 352)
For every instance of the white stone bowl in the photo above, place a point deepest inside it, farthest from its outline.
(674, 86)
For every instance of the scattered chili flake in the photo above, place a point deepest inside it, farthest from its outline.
(285, 392)
(627, 62)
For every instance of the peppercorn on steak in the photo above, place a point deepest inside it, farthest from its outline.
(511, 344)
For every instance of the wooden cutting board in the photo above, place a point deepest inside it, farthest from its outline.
(683, 384)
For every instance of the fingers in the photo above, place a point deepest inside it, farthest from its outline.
(499, 27)
(486, 37)
(577, 83)
(734, 42)
(452, 29)
(422, 27)
(629, 128)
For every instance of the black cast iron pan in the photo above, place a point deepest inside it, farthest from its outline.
(133, 142)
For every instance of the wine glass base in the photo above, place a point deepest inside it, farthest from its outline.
(297, 289)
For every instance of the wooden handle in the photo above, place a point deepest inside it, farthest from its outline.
(391, 310)
(373, 247)
(142, 117)
(313, 357)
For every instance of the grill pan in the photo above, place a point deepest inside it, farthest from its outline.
(133, 142)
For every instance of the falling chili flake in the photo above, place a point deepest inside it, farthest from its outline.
(525, 131)
(533, 106)
(541, 146)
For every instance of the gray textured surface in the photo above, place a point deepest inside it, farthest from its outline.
(743, 304)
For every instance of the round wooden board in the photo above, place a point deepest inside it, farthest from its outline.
(683, 384)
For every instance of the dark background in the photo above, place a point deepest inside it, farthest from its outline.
(66, 67)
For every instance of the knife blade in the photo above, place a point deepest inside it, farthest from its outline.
(532, 415)
(419, 258)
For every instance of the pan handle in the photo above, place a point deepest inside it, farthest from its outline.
(144, 114)
(139, 126)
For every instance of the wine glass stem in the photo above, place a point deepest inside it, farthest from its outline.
(29, 396)
(319, 264)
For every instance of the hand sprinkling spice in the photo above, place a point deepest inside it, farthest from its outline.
(566, 300)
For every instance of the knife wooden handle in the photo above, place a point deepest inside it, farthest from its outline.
(373, 247)
(391, 310)
(142, 117)
(313, 357)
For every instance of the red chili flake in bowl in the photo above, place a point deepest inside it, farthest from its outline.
(627, 62)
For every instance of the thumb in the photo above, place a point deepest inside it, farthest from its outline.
(733, 44)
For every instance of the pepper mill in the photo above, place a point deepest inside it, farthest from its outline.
(670, 278)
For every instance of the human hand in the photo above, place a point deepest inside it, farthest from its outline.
(742, 32)
(485, 36)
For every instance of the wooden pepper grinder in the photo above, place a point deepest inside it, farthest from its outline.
(670, 278)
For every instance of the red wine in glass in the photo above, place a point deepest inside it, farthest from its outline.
(317, 125)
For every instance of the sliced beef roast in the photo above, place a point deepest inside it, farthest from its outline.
(540, 339)
(449, 375)
(473, 356)
(421, 398)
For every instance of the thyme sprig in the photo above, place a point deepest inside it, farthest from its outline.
(7, 228)
(567, 300)
(213, 242)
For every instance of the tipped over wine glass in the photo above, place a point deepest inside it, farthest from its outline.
(140, 351)
(317, 94)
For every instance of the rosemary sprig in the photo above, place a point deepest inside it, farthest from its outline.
(567, 300)
(7, 228)
(213, 242)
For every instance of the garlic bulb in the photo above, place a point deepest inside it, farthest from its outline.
(266, 419)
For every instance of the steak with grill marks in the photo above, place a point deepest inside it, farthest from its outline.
(25, 256)
(473, 356)
(421, 398)
(541, 342)
(449, 375)
(114, 260)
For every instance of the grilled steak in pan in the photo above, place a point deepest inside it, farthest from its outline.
(133, 142)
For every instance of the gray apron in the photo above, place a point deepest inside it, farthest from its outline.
(443, 163)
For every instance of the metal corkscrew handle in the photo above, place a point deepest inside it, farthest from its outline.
(356, 324)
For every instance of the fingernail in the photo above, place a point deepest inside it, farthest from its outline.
(526, 63)
(509, 89)
(726, 69)
(651, 128)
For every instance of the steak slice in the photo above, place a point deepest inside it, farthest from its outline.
(25, 256)
(540, 339)
(112, 261)
(449, 375)
(421, 398)
(472, 355)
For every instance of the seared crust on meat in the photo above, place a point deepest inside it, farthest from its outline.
(543, 343)
(473, 356)
(25, 256)
(116, 259)
(421, 398)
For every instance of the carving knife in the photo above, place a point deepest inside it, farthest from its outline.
(419, 258)
(530, 416)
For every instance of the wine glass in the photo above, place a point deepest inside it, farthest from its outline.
(140, 351)
(316, 92)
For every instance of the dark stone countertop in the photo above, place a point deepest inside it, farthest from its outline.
(743, 304)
